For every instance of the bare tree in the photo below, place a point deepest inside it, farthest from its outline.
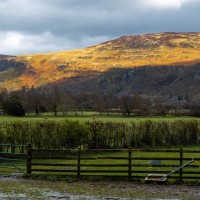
(32, 100)
(140, 105)
(68, 103)
(54, 95)
(126, 105)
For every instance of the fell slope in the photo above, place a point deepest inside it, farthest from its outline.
(75, 66)
(166, 81)
(5, 56)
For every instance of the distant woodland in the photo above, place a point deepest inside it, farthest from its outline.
(55, 98)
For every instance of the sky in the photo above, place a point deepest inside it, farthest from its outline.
(38, 26)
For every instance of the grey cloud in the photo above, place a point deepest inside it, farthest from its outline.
(78, 23)
(64, 16)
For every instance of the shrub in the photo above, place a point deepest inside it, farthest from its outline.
(13, 106)
(73, 134)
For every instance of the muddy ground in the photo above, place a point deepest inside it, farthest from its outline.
(20, 188)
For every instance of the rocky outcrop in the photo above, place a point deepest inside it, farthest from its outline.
(6, 64)
(147, 80)
(5, 56)
(150, 41)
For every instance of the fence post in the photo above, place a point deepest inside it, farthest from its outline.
(13, 148)
(181, 163)
(129, 164)
(79, 163)
(29, 158)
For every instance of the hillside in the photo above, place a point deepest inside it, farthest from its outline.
(81, 68)
(166, 81)
(5, 56)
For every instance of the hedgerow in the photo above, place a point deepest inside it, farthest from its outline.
(96, 134)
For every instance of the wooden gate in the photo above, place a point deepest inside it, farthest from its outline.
(12, 159)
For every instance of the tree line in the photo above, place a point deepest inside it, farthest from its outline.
(54, 98)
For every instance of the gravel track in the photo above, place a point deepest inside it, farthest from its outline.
(19, 188)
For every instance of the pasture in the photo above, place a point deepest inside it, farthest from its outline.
(91, 116)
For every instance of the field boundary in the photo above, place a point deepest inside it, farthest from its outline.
(129, 164)
(12, 159)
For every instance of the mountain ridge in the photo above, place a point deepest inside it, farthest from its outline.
(76, 66)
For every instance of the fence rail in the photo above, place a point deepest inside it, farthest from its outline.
(12, 159)
(126, 163)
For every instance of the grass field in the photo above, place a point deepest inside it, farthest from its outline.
(91, 117)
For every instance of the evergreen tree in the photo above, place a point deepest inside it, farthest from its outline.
(13, 106)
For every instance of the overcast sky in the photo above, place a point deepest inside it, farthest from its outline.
(34, 26)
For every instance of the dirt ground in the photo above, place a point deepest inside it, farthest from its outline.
(20, 188)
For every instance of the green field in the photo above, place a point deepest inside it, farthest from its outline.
(92, 117)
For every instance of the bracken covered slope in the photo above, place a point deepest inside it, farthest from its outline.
(88, 65)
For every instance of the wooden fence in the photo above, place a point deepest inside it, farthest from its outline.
(123, 163)
(12, 159)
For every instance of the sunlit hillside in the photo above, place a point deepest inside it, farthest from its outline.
(171, 49)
